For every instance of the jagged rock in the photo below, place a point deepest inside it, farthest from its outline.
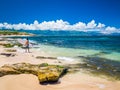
(48, 76)
(45, 72)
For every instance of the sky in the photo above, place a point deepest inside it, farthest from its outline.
(68, 13)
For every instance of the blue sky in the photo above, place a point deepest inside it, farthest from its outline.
(104, 11)
(72, 11)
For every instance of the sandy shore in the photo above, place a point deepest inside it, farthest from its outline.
(76, 81)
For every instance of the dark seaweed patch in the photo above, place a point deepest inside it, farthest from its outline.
(100, 66)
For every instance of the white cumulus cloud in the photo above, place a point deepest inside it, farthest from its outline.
(91, 24)
(62, 25)
(109, 30)
(100, 25)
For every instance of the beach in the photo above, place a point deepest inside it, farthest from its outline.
(77, 81)
(71, 81)
(60, 45)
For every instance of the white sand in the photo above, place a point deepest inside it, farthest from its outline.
(76, 81)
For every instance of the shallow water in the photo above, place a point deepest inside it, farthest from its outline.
(107, 47)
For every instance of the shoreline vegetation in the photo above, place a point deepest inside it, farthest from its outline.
(9, 33)
(85, 75)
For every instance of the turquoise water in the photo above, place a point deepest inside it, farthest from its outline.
(106, 47)
(73, 53)
(74, 46)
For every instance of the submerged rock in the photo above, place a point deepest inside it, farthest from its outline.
(101, 66)
(45, 72)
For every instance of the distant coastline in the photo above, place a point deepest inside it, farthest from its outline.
(13, 33)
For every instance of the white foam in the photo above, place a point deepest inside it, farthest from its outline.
(65, 58)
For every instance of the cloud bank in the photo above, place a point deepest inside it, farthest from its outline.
(62, 25)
